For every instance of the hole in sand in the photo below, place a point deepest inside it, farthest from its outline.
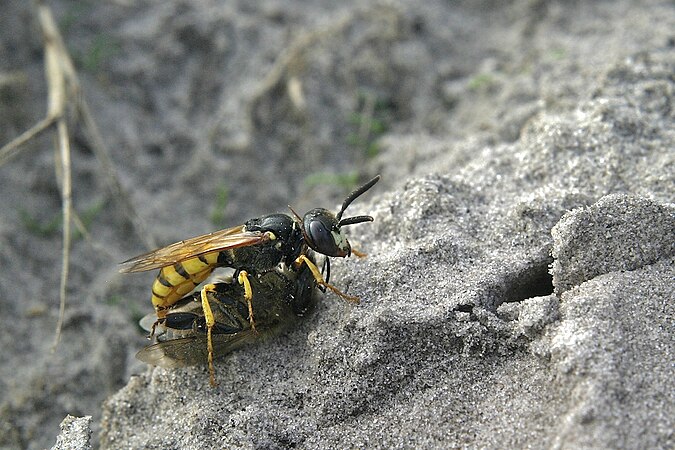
(516, 284)
(533, 281)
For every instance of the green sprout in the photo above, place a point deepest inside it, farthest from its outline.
(218, 213)
(480, 82)
(369, 123)
(102, 48)
(347, 180)
(51, 226)
(558, 53)
(73, 14)
(88, 217)
(40, 228)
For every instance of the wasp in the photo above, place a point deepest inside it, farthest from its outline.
(252, 249)
(280, 297)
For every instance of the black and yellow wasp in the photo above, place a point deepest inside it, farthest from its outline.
(280, 297)
(252, 249)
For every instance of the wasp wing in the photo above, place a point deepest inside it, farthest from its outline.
(191, 351)
(228, 238)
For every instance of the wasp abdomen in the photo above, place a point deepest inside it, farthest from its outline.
(175, 281)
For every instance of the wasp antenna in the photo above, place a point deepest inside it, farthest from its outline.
(353, 220)
(295, 214)
(354, 195)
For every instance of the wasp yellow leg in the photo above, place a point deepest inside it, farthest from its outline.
(358, 253)
(248, 295)
(210, 322)
(302, 259)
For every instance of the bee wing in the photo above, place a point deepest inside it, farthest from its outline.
(191, 351)
(179, 251)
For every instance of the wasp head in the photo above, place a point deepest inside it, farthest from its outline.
(323, 233)
(323, 230)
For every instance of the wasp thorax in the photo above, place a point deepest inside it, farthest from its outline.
(323, 233)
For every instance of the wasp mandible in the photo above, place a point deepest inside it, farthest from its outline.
(254, 248)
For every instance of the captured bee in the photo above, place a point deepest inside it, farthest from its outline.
(252, 249)
(280, 297)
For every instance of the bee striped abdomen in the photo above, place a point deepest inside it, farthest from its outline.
(175, 281)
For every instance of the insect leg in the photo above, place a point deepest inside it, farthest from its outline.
(325, 270)
(302, 259)
(210, 322)
(158, 322)
(248, 295)
(358, 253)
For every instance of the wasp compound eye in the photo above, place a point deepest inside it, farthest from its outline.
(323, 233)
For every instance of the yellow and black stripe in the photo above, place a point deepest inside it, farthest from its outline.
(175, 281)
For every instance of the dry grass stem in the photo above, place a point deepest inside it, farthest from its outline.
(63, 94)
